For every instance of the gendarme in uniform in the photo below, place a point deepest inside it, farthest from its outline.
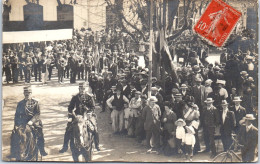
(28, 112)
(79, 104)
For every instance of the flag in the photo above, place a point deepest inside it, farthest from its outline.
(167, 61)
(172, 11)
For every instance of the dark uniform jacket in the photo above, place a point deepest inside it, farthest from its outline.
(82, 104)
(25, 114)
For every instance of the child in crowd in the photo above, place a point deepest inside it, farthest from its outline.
(189, 142)
(180, 135)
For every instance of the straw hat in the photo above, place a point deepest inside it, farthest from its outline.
(184, 86)
(180, 120)
(249, 117)
(237, 99)
(152, 99)
(209, 100)
(223, 82)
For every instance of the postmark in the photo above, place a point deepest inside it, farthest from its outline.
(217, 22)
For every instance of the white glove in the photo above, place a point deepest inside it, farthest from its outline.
(30, 123)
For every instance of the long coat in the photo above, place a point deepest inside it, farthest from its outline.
(149, 120)
(249, 140)
(199, 95)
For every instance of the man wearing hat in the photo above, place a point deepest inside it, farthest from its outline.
(14, 67)
(227, 124)
(178, 105)
(61, 63)
(27, 113)
(6, 67)
(151, 115)
(135, 106)
(73, 67)
(232, 71)
(116, 102)
(199, 93)
(184, 91)
(80, 104)
(196, 74)
(222, 91)
(248, 137)
(241, 82)
(159, 97)
(239, 112)
(209, 123)
(28, 66)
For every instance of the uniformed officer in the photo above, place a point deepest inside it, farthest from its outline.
(28, 112)
(28, 65)
(61, 63)
(79, 104)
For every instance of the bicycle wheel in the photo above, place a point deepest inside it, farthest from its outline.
(235, 158)
(220, 157)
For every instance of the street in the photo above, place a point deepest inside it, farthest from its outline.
(54, 99)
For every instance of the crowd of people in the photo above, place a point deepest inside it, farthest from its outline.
(207, 96)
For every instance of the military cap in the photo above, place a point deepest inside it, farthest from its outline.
(82, 85)
(27, 89)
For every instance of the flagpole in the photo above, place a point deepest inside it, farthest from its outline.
(150, 50)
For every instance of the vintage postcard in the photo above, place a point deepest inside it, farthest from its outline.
(130, 80)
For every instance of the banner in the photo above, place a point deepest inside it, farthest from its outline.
(36, 36)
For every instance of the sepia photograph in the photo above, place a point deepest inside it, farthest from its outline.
(130, 81)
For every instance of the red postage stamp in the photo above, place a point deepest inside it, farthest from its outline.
(217, 22)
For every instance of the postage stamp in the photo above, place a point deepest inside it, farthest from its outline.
(217, 22)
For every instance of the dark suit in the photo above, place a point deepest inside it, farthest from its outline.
(226, 129)
(239, 114)
(249, 140)
(151, 126)
(210, 121)
(199, 95)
